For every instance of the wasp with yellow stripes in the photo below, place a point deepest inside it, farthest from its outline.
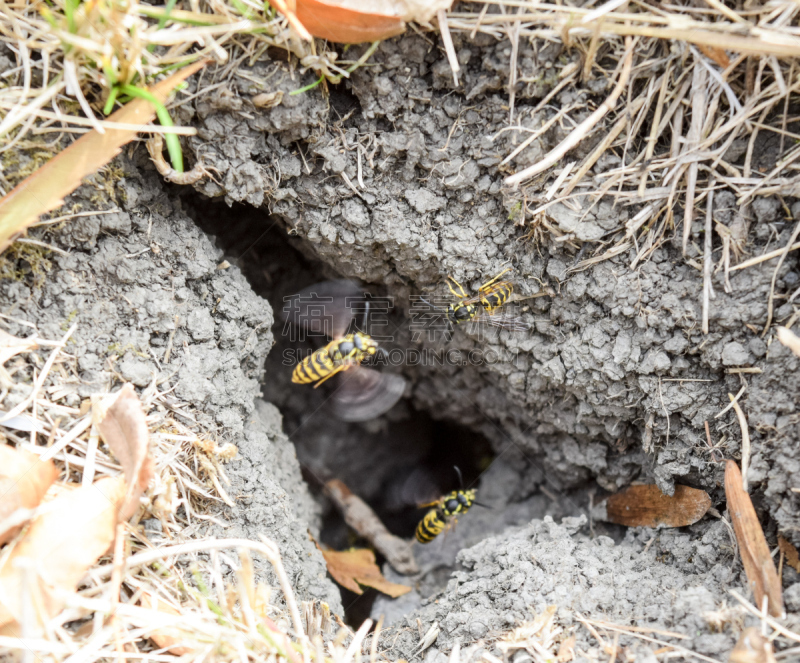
(327, 309)
(339, 355)
(491, 296)
(445, 511)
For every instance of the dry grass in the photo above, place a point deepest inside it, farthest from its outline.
(686, 84)
(703, 78)
(199, 612)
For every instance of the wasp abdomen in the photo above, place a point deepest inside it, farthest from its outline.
(314, 367)
(436, 520)
(496, 296)
(430, 526)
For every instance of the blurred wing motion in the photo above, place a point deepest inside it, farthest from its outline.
(503, 321)
(364, 393)
(325, 308)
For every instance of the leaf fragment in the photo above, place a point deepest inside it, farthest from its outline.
(756, 559)
(647, 506)
(716, 53)
(352, 568)
(752, 647)
(357, 21)
(45, 189)
(24, 479)
(59, 547)
(122, 424)
(789, 552)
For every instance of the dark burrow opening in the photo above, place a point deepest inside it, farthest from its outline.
(394, 463)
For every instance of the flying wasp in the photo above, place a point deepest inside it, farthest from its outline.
(445, 510)
(491, 296)
(327, 309)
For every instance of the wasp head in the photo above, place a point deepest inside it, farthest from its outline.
(459, 312)
(365, 344)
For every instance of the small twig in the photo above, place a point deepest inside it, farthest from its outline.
(708, 263)
(784, 253)
(710, 444)
(745, 441)
(441, 17)
(699, 100)
(358, 515)
(730, 405)
(767, 256)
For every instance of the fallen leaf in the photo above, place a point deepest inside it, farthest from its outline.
(752, 647)
(24, 479)
(356, 21)
(121, 422)
(790, 553)
(716, 53)
(44, 190)
(789, 339)
(758, 564)
(168, 637)
(54, 554)
(352, 568)
(647, 506)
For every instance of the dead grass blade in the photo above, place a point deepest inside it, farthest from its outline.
(758, 564)
(45, 189)
(583, 129)
(24, 479)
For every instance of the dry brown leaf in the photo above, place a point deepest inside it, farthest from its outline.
(45, 189)
(24, 479)
(60, 545)
(790, 553)
(752, 647)
(352, 568)
(169, 637)
(121, 422)
(789, 339)
(356, 21)
(758, 564)
(647, 506)
(716, 53)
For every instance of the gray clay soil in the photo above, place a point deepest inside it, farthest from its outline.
(612, 385)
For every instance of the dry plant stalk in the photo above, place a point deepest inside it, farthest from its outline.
(758, 564)
(358, 515)
(45, 189)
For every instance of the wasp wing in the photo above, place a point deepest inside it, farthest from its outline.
(325, 308)
(505, 321)
(364, 394)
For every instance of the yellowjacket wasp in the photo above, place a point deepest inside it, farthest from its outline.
(327, 308)
(452, 505)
